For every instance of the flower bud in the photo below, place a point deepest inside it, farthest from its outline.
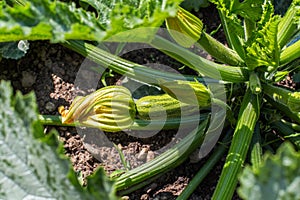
(185, 28)
(110, 109)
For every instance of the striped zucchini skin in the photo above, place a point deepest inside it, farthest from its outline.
(190, 92)
(162, 106)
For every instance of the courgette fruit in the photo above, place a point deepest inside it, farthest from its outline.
(162, 107)
(190, 92)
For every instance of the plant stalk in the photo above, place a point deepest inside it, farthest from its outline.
(205, 169)
(125, 67)
(164, 162)
(283, 108)
(278, 97)
(203, 66)
(256, 149)
(287, 132)
(231, 36)
(219, 51)
(248, 116)
(138, 125)
(294, 126)
(290, 53)
(287, 26)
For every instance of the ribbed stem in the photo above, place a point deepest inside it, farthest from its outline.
(287, 132)
(219, 51)
(256, 149)
(125, 67)
(164, 162)
(205, 169)
(290, 54)
(141, 125)
(294, 126)
(248, 116)
(231, 36)
(287, 26)
(199, 64)
(278, 97)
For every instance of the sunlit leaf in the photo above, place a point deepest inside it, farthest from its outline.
(58, 21)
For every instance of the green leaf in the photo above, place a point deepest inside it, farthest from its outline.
(32, 165)
(232, 25)
(296, 7)
(277, 178)
(58, 21)
(280, 75)
(250, 9)
(14, 50)
(262, 48)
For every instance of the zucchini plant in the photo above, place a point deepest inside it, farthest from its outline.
(261, 51)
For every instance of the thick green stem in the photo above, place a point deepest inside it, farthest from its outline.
(283, 108)
(294, 126)
(205, 169)
(231, 36)
(248, 116)
(219, 51)
(287, 26)
(256, 149)
(125, 67)
(249, 26)
(278, 97)
(141, 125)
(277, 93)
(287, 132)
(164, 162)
(290, 54)
(201, 65)
(53, 120)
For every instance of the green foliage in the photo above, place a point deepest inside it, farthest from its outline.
(262, 48)
(257, 39)
(278, 177)
(32, 165)
(14, 50)
(58, 21)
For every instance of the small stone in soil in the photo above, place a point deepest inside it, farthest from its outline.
(28, 79)
(50, 106)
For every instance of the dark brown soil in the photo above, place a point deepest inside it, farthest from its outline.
(50, 71)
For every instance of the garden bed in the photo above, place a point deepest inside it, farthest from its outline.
(51, 71)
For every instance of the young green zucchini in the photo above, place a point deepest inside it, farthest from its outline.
(162, 106)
